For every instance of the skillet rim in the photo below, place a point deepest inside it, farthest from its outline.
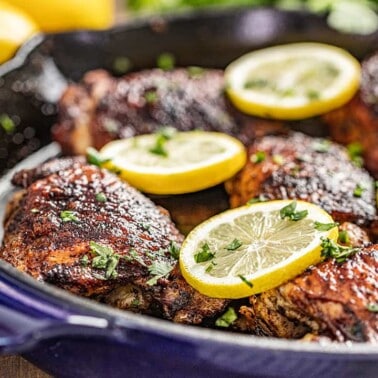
(123, 319)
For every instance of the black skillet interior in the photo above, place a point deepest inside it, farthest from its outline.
(31, 84)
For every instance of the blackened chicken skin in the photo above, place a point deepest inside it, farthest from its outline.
(55, 247)
(102, 108)
(332, 299)
(309, 169)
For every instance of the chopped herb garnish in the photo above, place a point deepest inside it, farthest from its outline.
(258, 157)
(151, 97)
(322, 146)
(204, 254)
(94, 157)
(313, 95)
(325, 226)
(122, 65)
(145, 226)
(260, 198)
(68, 216)
(84, 261)
(101, 197)
(227, 318)
(7, 124)
(256, 83)
(135, 302)
(174, 250)
(355, 151)
(234, 245)
(195, 71)
(358, 190)
(336, 251)
(210, 267)
(248, 283)
(162, 136)
(158, 269)
(166, 61)
(278, 159)
(372, 307)
(344, 237)
(290, 213)
(105, 258)
(133, 255)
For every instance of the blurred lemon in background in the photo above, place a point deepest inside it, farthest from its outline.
(15, 27)
(59, 15)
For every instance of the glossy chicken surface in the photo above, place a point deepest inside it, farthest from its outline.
(81, 228)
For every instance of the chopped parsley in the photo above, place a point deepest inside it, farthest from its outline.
(7, 123)
(101, 197)
(234, 245)
(313, 95)
(134, 256)
(105, 258)
(195, 71)
(151, 97)
(162, 136)
(166, 61)
(258, 157)
(210, 267)
(256, 83)
(84, 261)
(344, 237)
(248, 283)
(355, 151)
(68, 216)
(158, 269)
(174, 250)
(260, 198)
(322, 146)
(94, 157)
(358, 190)
(227, 318)
(290, 213)
(330, 249)
(135, 302)
(204, 254)
(372, 307)
(325, 226)
(145, 226)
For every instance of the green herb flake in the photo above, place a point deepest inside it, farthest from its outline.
(325, 226)
(344, 237)
(290, 213)
(257, 157)
(158, 269)
(313, 95)
(358, 190)
(162, 136)
(135, 302)
(248, 283)
(84, 261)
(134, 256)
(204, 254)
(101, 197)
(174, 250)
(7, 123)
(195, 71)
(166, 61)
(151, 97)
(322, 146)
(94, 157)
(330, 249)
(227, 319)
(145, 226)
(355, 151)
(260, 198)
(68, 216)
(234, 245)
(210, 267)
(257, 83)
(372, 307)
(105, 258)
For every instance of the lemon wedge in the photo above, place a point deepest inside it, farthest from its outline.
(254, 248)
(293, 81)
(170, 162)
(15, 28)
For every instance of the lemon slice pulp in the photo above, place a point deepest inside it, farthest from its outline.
(293, 81)
(251, 249)
(183, 163)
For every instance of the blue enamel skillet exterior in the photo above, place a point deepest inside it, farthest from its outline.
(72, 337)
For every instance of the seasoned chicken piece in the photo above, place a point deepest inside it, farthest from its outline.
(310, 169)
(336, 300)
(83, 229)
(103, 108)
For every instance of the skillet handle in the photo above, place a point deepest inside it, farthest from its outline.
(27, 318)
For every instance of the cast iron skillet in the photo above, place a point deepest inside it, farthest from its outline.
(72, 337)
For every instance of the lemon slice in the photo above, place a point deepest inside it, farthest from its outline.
(293, 81)
(15, 28)
(251, 249)
(181, 162)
